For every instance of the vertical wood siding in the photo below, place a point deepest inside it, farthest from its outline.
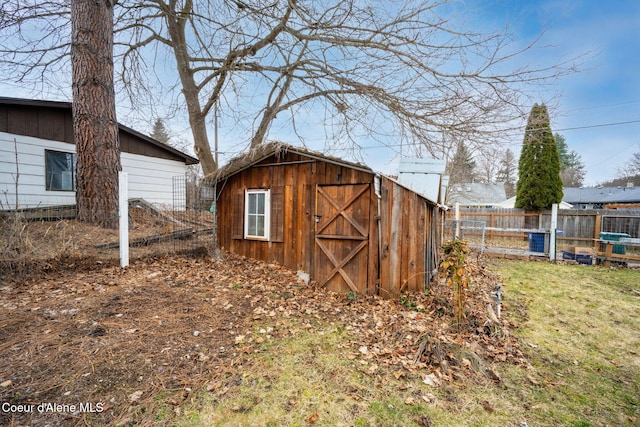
(409, 225)
(410, 235)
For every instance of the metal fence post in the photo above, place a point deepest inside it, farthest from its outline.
(552, 235)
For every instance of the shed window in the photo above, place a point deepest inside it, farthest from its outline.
(60, 171)
(257, 214)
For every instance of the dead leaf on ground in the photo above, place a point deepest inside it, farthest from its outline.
(533, 380)
(313, 418)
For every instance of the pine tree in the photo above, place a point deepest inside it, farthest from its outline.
(539, 184)
(160, 131)
(462, 168)
(571, 166)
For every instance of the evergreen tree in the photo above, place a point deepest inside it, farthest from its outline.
(539, 184)
(462, 168)
(160, 131)
(571, 166)
(507, 173)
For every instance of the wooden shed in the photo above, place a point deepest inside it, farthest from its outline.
(350, 229)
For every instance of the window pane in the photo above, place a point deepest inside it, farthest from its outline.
(260, 203)
(252, 225)
(60, 170)
(260, 226)
(252, 203)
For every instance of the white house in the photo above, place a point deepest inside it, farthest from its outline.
(38, 158)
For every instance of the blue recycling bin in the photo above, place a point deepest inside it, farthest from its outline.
(536, 242)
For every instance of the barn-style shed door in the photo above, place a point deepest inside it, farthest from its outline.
(342, 236)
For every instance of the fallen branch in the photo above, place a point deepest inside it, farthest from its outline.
(141, 203)
(186, 233)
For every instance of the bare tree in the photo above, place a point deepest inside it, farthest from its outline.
(95, 126)
(400, 72)
(631, 167)
(508, 172)
(488, 163)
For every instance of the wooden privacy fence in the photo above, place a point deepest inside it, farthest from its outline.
(579, 227)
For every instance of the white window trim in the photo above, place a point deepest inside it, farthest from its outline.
(267, 214)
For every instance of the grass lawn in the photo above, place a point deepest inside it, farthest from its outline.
(582, 335)
(580, 329)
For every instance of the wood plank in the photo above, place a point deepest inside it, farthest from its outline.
(305, 227)
(372, 257)
(413, 277)
(237, 220)
(385, 234)
(395, 241)
(289, 258)
(309, 227)
(405, 233)
(341, 237)
(277, 214)
(617, 257)
(343, 213)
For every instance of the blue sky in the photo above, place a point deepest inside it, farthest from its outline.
(607, 89)
(596, 109)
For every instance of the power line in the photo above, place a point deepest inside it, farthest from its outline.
(372, 147)
(619, 152)
(601, 125)
(595, 107)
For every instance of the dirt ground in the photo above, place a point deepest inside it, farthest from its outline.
(104, 345)
(46, 245)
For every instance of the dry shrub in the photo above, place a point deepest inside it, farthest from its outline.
(458, 274)
(15, 244)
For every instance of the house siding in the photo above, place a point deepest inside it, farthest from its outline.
(149, 177)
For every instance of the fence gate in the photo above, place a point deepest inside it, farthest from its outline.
(342, 237)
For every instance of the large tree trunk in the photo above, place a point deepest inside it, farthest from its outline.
(94, 112)
(176, 27)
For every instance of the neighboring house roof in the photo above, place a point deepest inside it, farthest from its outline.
(476, 194)
(263, 151)
(602, 195)
(511, 202)
(66, 106)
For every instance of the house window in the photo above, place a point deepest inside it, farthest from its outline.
(257, 214)
(60, 171)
